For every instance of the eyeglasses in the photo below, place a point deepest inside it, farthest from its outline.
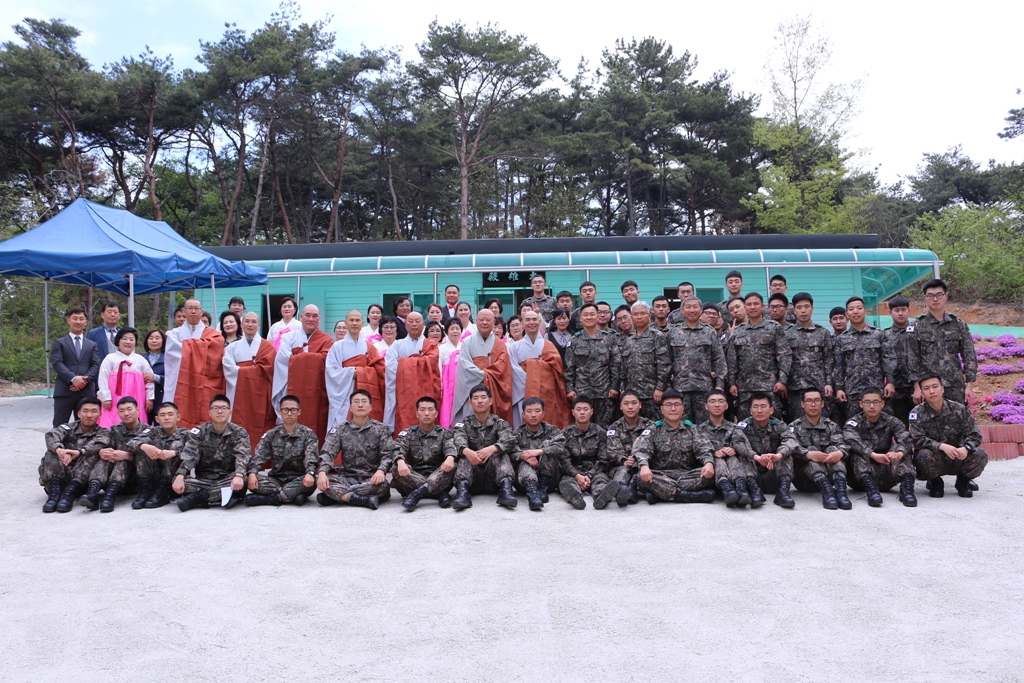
(219, 409)
(673, 404)
(812, 401)
(872, 403)
(289, 411)
(935, 295)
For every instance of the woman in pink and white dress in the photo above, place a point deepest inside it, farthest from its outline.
(388, 334)
(124, 373)
(371, 330)
(464, 312)
(286, 324)
(448, 357)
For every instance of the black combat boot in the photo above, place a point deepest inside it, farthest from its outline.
(67, 498)
(544, 485)
(110, 497)
(236, 498)
(782, 497)
(936, 489)
(623, 495)
(757, 498)
(972, 485)
(828, 496)
(571, 495)
(254, 499)
(300, 500)
(702, 496)
(91, 499)
(414, 497)
(196, 499)
(871, 486)
(606, 496)
(161, 494)
(324, 500)
(444, 500)
(634, 490)
(907, 496)
(356, 500)
(651, 498)
(534, 497)
(741, 491)
(146, 486)
(506, 498)
(839, 479)
(963, 488)
(728, 493)
(462, 498)
(52, 495)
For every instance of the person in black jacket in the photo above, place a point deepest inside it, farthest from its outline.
(153, 344)
(76, 362)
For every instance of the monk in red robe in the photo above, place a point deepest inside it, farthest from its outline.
(483, 360)
(300, 371)
(193, 371)
(249, 380)
(537, 371)
(413, 372)
(354, 363)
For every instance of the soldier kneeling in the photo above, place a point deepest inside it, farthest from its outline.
(947, 440)
(880, 450)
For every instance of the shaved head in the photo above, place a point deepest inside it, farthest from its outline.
(310, 318)
(414, 324)
(193, 311)
(353, 323)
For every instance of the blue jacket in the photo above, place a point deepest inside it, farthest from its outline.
(99, 336)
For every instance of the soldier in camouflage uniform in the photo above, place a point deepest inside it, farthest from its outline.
(219, 452)
(811, 349)
(71, 452)
(485, 444)
(621, 435)
(592, 366)
(697, 360)
(675, 459)
(425, 458)
(646, 364)
(947, 440)
(819, 456)
(539, 449)
(734, 468)
(734, 286)
(366, 452)
(939, 343)
(880, 450)
(758, 357)
(903, 400)
(773, 444)
(863, 359)
(778, 285)
(585, 464)
(116, 464)
(683, 292)
(159, 460)
(545, 304)
(293, 449)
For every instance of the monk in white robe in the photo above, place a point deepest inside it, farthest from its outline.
(249, 380)
(353, 363)
(537, 371)
(413, 372)
(193, 370)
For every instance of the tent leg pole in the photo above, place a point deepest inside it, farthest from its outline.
(170, 311)
(131, 300)
(268, 309)
(46, 332)
(213, 293)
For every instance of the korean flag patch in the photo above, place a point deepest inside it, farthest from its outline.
(852, 423)
(194, 430)
(611, 432)
(646, 432)
(742, 425)
(146, 431)
(459, 424)
(402, 433)
(913, 416)
(792, 431)
(333, 431)
(910, 328)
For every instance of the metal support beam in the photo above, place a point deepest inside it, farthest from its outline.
(46, 331)
(131, 300)
(213, 293)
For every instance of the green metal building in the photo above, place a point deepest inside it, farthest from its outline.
(340, 277)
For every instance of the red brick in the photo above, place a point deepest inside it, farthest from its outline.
(1005, 433)
(984, 432)
(1002, 451)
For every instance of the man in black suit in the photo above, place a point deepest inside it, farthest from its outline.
(105, 333)
(76, 361)
(451, 300)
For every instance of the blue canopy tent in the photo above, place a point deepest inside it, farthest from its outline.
(93, 245)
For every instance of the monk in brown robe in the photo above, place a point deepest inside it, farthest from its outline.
(354, 363)
(412, 372)
(249, 380)
(483, 360)
(193, 371)
(300, 370)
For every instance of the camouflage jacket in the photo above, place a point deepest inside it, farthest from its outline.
(939, 347)
(811, 349)
(621, 438)
(130, 440)
(727, 435)
(863, 359)
(775, 437)
(72, 437)
(213, 455)
(592, 365)
(545, 304)
(888, 434)
(293, 454)
(585, 452)
(364, 450)
(646, 365)
(826, 436)
(758, 356)
(954, 426)
(424, 451)
(175, 441)
(697, 358)
(494, 432)
(548, 437)
(897, 339)
(662, 448)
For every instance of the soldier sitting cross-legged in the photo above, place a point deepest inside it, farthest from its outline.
(425, 459)
(292, 448)
(71, 453)
(484, 443)
(219, 453)
(366, 452)
(585, 465)
(947, 440)
(880, 450)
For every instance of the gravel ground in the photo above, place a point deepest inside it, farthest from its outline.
(667, 592)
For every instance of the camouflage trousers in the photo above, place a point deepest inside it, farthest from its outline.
(148, 468)
(732, 468)
(666, 482)
(288, 488)
(113, 472)
(695, 407)
(807, 471)
(769, 478)
(437, 482)
(341, 485)
(526, 473)
(901, 404)
(213, 484)
(599, 480)
(795, 409)
(484, 478)
(957, 394)
(648, 409)
(931, 464)
(604, 409)
(743, 404)
(886, 476)
(50, 467)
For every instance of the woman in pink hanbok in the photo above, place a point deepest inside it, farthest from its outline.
(124, 373)
(286, 324)
(448, 356)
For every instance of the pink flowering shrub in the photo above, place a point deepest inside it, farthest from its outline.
(1006, 339)
(1008, 414)
(1007, 398)
(995, 369)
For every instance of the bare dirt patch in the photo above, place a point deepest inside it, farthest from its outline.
(8, 389)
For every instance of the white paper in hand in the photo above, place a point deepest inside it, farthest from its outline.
(225, 496)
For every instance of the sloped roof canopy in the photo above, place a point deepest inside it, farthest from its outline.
(94, 245)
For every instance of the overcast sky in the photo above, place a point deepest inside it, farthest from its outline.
(934, 76)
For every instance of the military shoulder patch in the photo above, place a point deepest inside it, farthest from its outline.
(657, 423)
(792, 431)
(611, 432)
(146, 430)
(687, 422)
(646, 432)
(194, 430)
(852, 423)
(403, 432)
(459, 424)
(912, 416)
(334, 430)
(742, 425)
(68, 427)
(910, 328)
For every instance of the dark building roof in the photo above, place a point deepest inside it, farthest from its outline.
(545, 245)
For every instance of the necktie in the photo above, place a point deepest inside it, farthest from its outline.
(78, 346)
